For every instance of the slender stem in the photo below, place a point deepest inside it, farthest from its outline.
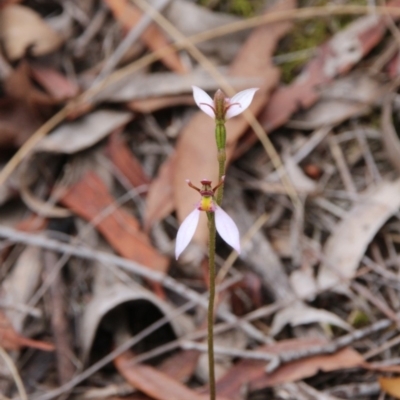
(221, 173)
(211, 300)
(220, 136)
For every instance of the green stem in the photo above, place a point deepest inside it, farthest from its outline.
(211, 300)
(221, 173)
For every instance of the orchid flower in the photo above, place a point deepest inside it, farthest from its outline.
(226, 228)
(222, 107)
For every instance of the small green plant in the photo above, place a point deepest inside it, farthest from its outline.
(220, 109)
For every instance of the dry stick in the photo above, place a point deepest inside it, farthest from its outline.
(90, 32)
(59, 322)
(331, 347)
(339, 158)
(88, 97)
(227, 351)
(385, 346)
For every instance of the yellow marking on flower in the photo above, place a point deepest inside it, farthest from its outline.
(207, 204)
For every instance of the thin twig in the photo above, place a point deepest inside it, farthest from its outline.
(15, 374)
(247, 354)
(331, 347)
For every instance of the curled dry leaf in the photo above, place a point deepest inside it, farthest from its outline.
(351, 237)
(75, 136)
(110, 297)
(22, 28)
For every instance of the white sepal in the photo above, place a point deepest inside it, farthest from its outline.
(204, 101)
(226, 228)
(186, 231)
(239, 102)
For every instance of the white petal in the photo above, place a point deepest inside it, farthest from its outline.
(204, 101)
(186, 231)
(243, 100)
(227, 229)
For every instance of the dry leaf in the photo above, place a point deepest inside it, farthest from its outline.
(301, 314)
(196, 156)
(23, 109)
(147, 106)
(345, 98)
(251, 372)
(75, 136)
(20, 285)
(22, 28)
(351, 237)
(128, 16)
(90, 199)
(141, 86)
(5, 3)
(57, 85)
(11, 340)
(153, 382)
(180, 365)
(303, 283)
(391, 386)
(125, 161)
